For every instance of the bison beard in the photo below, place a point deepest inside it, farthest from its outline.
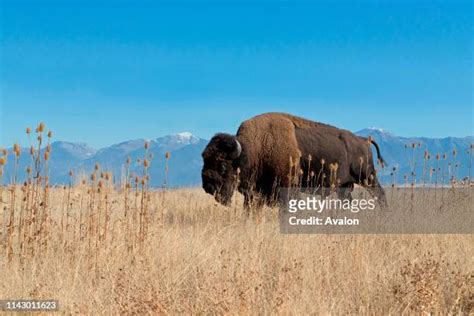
(277, 150)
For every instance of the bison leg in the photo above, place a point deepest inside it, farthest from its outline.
(377, 191)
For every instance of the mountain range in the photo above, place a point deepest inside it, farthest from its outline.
(185, 162)
(407, 156)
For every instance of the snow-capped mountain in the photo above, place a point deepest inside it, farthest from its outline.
(399, 153)
(79, 150)
(176, 141)
(380, 132)
(185, 161)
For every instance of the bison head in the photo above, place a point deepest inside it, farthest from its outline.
(220, 167)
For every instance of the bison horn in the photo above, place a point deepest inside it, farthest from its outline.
(238, 150)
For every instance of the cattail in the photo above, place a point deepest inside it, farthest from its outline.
(28, 170)
(50, 134)
(16, 149)
(28, 131)
(444, 156)
(455, 152)
(46, 155)
(48, 148)
(3, 161)
(146, 164)
(413, 145)
(32, 150)
(143, 181)
(93, 177)
(312, 173)
(4, 152)
(437, 156)
(71, 173)
(107, 176)
(322, 161)
(426, 154)
(168, 155)
(97, 166)
(361, 160)
(147, 145)
(129, 160)
(41, 127)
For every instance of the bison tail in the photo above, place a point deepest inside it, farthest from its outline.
(379, 156)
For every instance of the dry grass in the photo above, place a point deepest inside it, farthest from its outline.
(199, 257)
(105, 248)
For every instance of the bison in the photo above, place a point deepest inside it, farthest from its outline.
(277, 150)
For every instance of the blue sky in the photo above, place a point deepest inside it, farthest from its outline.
(104, 72)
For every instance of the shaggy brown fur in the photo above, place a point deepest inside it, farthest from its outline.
(275, 153)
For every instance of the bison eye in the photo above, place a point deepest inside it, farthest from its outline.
(222, 169)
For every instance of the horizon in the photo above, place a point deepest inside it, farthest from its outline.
(205, 66)
(382, 130)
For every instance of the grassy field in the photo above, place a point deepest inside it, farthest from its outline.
(98, 251)
(102, 246)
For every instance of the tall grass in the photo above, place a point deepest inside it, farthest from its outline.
(102, 247)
